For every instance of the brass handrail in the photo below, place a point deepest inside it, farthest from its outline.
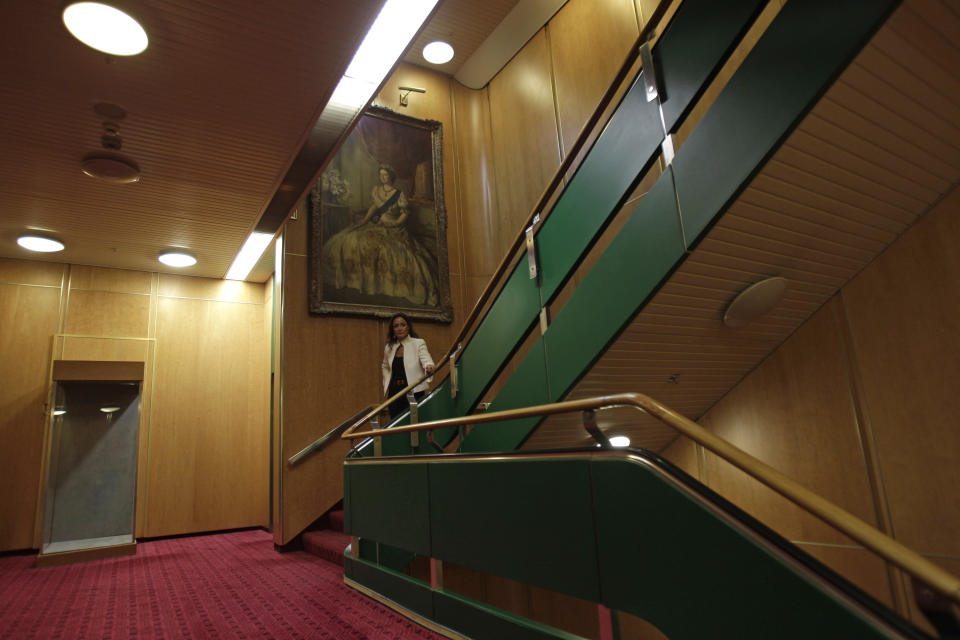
(867, 535)
(648, 33)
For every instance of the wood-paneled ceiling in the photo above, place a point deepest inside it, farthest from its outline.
(216, 110)
(877, 151)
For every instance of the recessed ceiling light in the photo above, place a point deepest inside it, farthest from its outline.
(109, 409)
(438, 52)
(105, 28)
(40, 243)
(620, 441)
(59, 412)
(177, 259)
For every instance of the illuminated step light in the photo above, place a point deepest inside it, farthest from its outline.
(42, 244)
(109, 409)
(105, 28)
(620, 441)
(396, 24)
(249, 254)
(177, 259)
(438, 52)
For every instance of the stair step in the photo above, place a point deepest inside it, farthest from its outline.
(327, 544)
(336, 520)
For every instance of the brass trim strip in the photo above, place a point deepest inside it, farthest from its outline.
(867, 535)
(27, 284)
(407, 613)
(162, 295)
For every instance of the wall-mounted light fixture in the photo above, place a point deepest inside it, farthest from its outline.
(405, 93)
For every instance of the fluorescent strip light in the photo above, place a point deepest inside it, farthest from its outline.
(252, 249)
(394, 28)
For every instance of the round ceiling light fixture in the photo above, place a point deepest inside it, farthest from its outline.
(105, 28)
(177, 259)
(43, 244)
(754, 301)
(110, 167)
(438, 52)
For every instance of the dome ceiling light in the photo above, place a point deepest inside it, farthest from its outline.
(754, 301)
(438, 52)
(43, 244)
(105, 28)
(177, 259)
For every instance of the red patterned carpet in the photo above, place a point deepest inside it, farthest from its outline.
(231, 585)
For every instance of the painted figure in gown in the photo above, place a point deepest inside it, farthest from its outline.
(378, 255)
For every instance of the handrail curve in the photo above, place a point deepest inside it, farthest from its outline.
(648, 33)
(844, 521)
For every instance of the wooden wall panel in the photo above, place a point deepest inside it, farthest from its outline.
(99, 279)
(588, 44)
(330, 366)
(903, 315)
(858, 565)
(209, 446)
(795, 413)
(526, 142)
(50, 274)
(28, 315)
(331, 370)
(100, 313)
(478, 202)
(684, 453)
(173, 286)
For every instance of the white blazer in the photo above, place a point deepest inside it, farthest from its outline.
(416, 359)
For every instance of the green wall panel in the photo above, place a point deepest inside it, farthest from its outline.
(529, 522)
(389, 503)
(808, 44)
(402, 589)
(528, 386)
(689, 55)
(664, 556)
(628, 145)
(646, 249)
(477, 620)
(629, 271)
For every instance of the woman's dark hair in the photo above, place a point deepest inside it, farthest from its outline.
(390, 171)
(410, 331)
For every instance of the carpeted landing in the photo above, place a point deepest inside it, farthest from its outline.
(230, 585)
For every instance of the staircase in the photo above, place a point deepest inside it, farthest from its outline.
(327, 543)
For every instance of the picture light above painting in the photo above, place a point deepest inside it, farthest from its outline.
(378, 226)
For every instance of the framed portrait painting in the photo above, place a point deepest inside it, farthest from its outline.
(378, 226)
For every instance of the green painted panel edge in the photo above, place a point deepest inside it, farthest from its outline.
(629, 271)
(401, 589)
(688, 56)
(805, 48)
(516, 519)
(479, 620)
(394, 500)
(534, 389)
(742, 589)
